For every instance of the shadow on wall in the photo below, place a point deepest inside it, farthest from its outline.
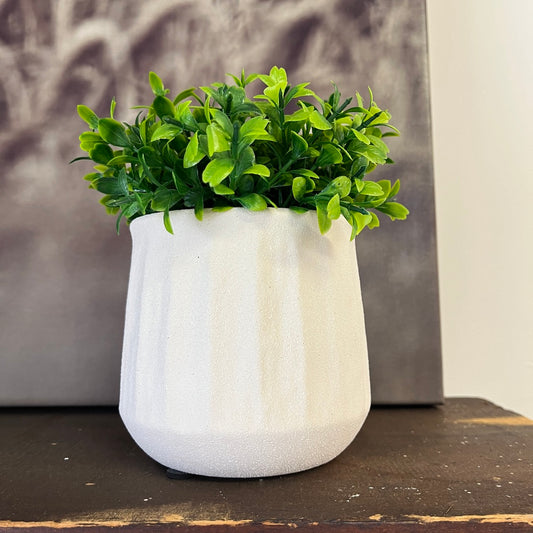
(64, 272)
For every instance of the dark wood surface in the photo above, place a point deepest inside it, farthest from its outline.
(464, 466)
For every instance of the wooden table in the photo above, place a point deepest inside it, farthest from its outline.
(465, 466)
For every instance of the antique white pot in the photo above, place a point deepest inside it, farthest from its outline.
(244, 347)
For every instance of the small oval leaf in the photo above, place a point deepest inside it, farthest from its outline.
(217, 170)
(101, 153)
(113, 132)
(89, 116)
(253, 202)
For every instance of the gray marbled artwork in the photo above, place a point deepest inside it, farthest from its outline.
(63, 270)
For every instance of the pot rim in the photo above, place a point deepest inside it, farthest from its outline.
(190, 211)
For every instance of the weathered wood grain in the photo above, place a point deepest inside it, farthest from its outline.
(465, 466)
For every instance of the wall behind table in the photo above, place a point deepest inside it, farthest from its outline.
(63, 271)
(481, 64)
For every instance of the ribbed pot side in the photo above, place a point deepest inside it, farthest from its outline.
(244, 347)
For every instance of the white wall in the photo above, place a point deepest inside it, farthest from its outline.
(481, 75)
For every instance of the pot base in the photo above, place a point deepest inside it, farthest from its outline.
(246, 455)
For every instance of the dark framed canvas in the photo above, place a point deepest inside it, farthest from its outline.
(63, 270)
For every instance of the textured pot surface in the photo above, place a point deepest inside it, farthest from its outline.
(244, 346)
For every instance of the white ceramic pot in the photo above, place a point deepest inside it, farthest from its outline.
(244, 348)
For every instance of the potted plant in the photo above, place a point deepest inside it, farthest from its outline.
(244, 349)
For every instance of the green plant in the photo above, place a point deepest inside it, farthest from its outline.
(214, 147)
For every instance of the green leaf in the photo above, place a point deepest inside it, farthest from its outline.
(113, 132)
(223, 121)
(236, 96)
(359, 167)
(221, 208)
(300, 90)
(329, 156)
(167, 222)
(372, 153)
(394, 190)
(223, 190)
(163, 107)
(193, 154)
(253, 128)
(165, 131)
(394, 210)
(273, 89)
(146, 172)
(311, 185)
(101, 153)
(372, 188)
(298, 209)
(216, 140)
(359, 184)
(254, 202)
(164, 199)
(112, 107)
(180, 185)
(92, 176)
(199, 207)
(299, 187)
(246, 159)
(117, 225)
(185, 116)
(334, 207)
(121, 160)
(151, 156)
(357, 120)
(318, 121)
(88, 139)
(238, 81)
(385, 186)
(278, 75)
(298, 144)
(379, 144)
(298, 116)
(109, 186)
(110, 209)
(373, 114)
(361, 221)
(122, 179)
(340, 185)
(131, 210)
(324, 222)
(156, 84)
(374, 223)
(207, 110)
(307, 173)
(363, 138)
(217, 170)
(259, 170)
(371, 96)
(89, 116)
(184, 94)
(273, 92)
(143, 199)
(249, 79)
(347, 214)
(247, 108)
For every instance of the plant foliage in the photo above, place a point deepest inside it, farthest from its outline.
(215, 147)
